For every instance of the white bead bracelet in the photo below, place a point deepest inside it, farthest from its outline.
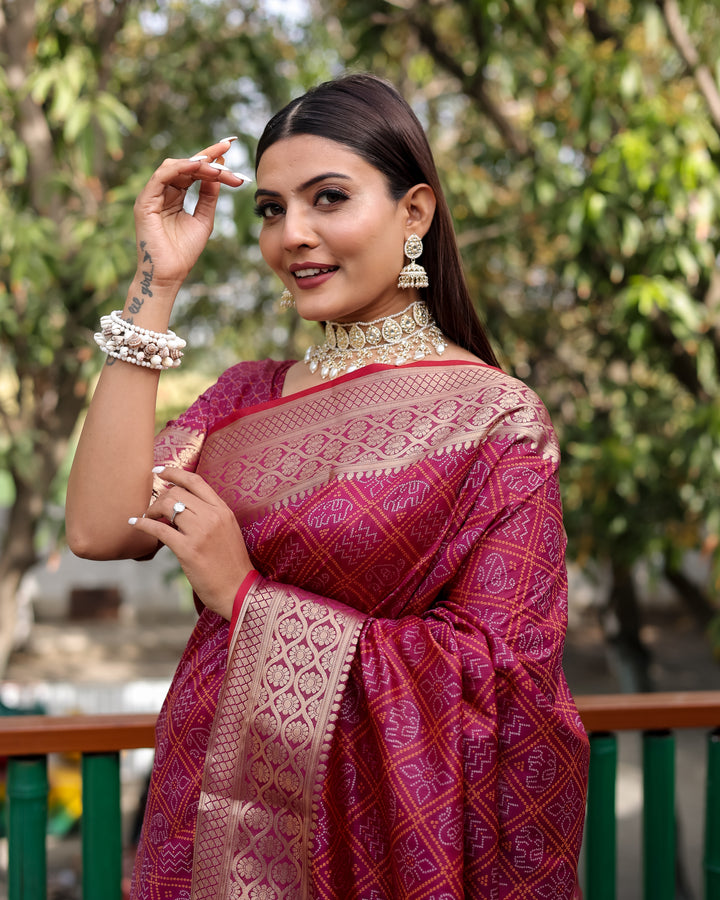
(128, 342)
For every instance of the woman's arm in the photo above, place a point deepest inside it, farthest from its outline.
(110, 480)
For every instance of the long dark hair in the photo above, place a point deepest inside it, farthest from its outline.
(369, 116)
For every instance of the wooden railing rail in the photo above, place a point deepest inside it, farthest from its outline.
(28, 735)
(649, 712)
(39, 735)
(27, 740)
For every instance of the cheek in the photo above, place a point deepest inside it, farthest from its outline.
(385, 248)
(268, 248)
(366, 238)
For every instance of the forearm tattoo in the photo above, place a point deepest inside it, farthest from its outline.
(136, 304)
(148, 270)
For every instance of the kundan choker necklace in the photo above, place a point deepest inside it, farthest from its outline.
(400, 338)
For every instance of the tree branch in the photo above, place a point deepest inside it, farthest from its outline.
(695, 599)
(539, 33)
(477, 29)
(473, 86)
(18, 28)
(600, 28)
(687, 50)
(108, 27)
(682, 365)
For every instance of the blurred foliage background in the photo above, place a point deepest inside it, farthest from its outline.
(579, 145)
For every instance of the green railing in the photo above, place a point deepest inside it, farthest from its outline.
(657, 717)
(28, 739)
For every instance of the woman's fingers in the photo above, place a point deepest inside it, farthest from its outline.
(203, 533)
(191, 482)
(181, 174)
(188, 498)
(171, 504)
(188, 495)
(211, 166)
(217, 150)
(207, 166)
(176, 236)
(204, 211)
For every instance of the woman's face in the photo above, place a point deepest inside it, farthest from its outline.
(331, 231)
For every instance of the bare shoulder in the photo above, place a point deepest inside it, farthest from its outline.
(299, 378)
(455, 352)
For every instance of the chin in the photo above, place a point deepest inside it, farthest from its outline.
(316, 310)
(310, 313)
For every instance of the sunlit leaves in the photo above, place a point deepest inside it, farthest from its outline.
(99, 100)
(594, 255)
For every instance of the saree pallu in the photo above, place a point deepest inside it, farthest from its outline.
(391, 720)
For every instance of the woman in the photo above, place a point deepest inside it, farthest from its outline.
(372, 704)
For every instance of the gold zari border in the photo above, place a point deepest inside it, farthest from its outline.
(380, 422)
(267, 755)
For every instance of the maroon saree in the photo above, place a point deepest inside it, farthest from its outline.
(391, 719)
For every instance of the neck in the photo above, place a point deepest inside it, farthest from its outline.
(402, 337)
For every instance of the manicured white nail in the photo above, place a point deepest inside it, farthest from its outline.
(132, 520)
(197, 158)
(228, 139)
(240, 175)
(156, 470)
(220, 167)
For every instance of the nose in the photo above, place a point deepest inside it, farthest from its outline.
(297, 228)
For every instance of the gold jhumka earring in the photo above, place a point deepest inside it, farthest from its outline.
(287, 301)
(413, 275)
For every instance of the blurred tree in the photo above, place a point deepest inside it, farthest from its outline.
(581, 143)
(92, 96)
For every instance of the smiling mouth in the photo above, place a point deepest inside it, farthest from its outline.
(312, 272)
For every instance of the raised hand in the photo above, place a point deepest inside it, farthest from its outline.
(120, 425)
(166, 233)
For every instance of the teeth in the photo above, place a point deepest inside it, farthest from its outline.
(307, 273)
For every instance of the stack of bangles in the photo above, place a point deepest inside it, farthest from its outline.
(128, 342)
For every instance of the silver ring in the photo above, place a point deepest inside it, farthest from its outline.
(177, 508)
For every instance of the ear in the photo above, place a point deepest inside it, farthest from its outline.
(419, 207)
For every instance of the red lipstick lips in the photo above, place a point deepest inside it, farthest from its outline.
(310, 274)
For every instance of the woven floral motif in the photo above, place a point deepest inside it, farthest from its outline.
(268, 749)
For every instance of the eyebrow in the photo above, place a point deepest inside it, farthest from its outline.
(305, 185)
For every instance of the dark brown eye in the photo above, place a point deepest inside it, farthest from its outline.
(330, 196)
(268, 210)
